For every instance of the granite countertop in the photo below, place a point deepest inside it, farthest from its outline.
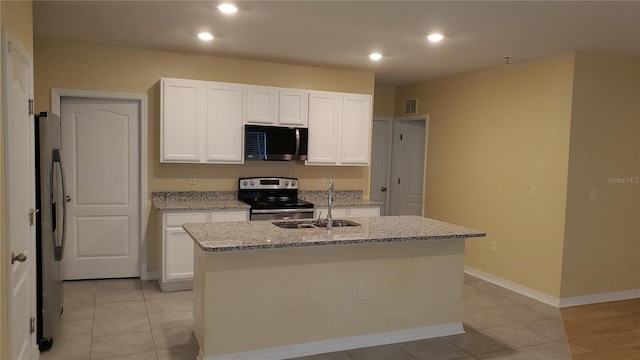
(249, 235)
(341, 198)
(197, 200)
(220, 200)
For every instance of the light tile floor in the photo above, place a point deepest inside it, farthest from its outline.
(131, 319)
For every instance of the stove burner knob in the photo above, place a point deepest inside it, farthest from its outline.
(252, 183)
(286, 183)
(245, 183)
(293, 183)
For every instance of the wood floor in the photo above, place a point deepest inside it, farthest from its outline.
(607, 331)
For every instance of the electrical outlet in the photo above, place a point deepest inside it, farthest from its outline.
(192, 179)
(362, 292)
(592, 195)
(492, 246)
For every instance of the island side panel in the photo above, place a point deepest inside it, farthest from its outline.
(262, 299)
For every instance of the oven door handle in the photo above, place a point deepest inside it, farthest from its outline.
(280, 211)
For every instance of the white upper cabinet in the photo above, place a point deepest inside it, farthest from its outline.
(339, 129)
(201, 121)
(260, 104)
(265, 105)
(356, 129)
(223, 119)
(180, 117)
(325, 116)
(293, 107)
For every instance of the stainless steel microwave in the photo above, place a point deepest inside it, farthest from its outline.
(275, 143)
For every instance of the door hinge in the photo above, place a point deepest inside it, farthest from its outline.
(400, 136)
(30, 106)
(398, 181)
(32, 325)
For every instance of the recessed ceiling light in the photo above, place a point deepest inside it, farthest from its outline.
(375, 56)
(205, 36)
(227, 8)
(435, 37)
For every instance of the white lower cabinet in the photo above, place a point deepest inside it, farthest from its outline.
(176, 252)
(347, 212)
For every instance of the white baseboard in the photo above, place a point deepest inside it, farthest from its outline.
(550, 300)
(341, 344)
(151, 275)
(522, 290)
(600, 298)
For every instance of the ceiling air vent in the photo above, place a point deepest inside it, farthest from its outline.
(411, 106)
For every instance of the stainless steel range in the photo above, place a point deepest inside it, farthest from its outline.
(273, 198)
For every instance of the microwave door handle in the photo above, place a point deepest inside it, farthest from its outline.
(297, 142)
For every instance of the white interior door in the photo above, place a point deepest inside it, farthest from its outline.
(20, 195)
(100, 153)
(407, 169)
(380, 163)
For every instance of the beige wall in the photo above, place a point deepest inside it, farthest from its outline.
(92, 67)
(602, 237)
(383, 100)
(17, 16)
(492, 135)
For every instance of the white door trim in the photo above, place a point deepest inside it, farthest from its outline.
(424, 117)
(57, 94)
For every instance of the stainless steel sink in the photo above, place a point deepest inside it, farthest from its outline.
(295, 224)
(336, 223)
(312, 224)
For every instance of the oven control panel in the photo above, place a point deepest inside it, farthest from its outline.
(257, 183)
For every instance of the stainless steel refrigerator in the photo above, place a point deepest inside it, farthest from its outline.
(50, 234)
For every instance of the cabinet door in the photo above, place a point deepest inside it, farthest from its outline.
(178, 255)
(180, 120)
(223, 120)
(177, 249)
(356, 129)
(325, 112)
(293, 108)
(260, 105)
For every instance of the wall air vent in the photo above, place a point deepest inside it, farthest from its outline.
(411, 106)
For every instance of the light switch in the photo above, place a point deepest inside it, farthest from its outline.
(534, 191)
(592, 195)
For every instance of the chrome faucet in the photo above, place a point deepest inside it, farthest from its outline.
(329, 202)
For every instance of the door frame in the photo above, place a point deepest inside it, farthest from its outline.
(424, 117)
(388, 180)
(143, 203)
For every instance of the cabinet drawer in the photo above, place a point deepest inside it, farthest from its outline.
(177, 219)
(222, 216)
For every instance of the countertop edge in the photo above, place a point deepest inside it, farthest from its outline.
(334, 242)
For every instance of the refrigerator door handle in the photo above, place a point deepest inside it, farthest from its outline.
(59, 249)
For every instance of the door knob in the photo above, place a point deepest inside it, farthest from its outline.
(22, 257)
(68, 198)
(384, 188)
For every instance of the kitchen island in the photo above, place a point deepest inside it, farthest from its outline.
(264, 292)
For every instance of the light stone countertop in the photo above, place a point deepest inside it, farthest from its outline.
(197, 200)
(227, 200)
(249, 235)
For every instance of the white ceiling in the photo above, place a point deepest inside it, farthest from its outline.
(341, 34)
